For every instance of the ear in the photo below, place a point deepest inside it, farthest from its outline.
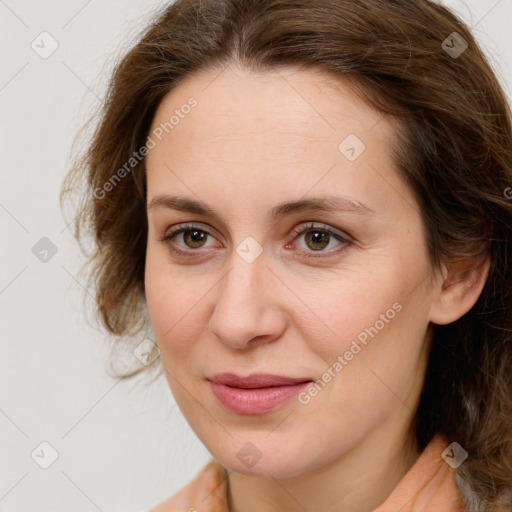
(458, 289)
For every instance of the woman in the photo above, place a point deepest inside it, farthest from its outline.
(307, 206)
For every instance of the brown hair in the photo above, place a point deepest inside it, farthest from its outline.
(454, 148)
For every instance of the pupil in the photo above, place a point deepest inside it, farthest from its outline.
(195, 237)
(319, 238)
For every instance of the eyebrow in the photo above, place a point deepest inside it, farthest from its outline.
(330, 204)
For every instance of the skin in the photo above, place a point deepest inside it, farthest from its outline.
(253, 141)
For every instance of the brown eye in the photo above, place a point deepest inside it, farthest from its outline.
(194, 238)
(191, 238)
(319, 239)
(316, 239)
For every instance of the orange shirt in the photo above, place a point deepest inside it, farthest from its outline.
(429, 486)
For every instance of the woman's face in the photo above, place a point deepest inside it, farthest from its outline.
(249, 292)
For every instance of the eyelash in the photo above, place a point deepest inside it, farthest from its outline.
(297, 231)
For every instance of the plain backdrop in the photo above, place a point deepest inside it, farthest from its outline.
(109, 445)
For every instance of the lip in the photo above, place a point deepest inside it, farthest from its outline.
(256, 393)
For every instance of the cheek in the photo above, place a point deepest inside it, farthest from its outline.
(347, 308)
(377, 326)
(380, 334)
(175, 303)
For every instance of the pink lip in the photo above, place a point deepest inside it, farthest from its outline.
(255, 394)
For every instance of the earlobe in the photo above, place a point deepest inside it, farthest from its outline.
(458, 289)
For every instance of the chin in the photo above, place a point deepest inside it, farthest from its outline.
(278, 466)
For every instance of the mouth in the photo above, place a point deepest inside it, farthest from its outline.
(255, 394)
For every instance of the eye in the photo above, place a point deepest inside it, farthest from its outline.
(191, 235)
(317, 238)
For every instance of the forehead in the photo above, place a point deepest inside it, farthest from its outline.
(305, 100)
(263, 128)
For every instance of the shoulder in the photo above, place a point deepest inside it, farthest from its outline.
(207, 492)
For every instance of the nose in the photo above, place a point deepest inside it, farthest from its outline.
(247, 308)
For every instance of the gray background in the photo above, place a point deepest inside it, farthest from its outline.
(122, 446)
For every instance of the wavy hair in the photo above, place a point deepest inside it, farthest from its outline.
(453, 148)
